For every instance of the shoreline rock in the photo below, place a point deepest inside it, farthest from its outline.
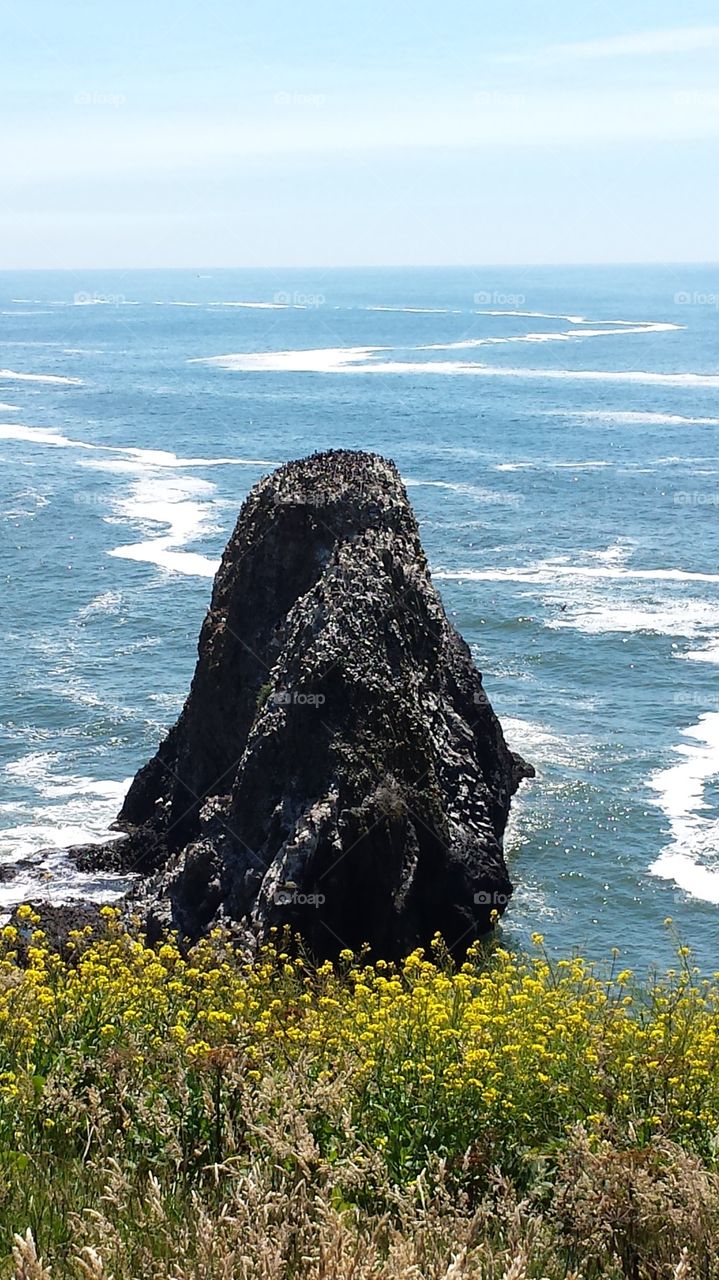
(57, 921)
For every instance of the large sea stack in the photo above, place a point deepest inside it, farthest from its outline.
(337, 766)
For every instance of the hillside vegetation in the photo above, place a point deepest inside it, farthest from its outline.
(177, 1114)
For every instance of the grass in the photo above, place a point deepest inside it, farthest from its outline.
(172, 1114)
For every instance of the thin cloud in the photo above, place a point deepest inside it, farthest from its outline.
(676, 40)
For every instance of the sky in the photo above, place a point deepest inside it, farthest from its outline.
(303, 133)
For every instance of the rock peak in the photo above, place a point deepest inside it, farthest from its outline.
(337, 766)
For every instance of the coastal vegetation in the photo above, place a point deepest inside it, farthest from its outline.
(169, 1112)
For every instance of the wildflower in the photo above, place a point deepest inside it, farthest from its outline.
(26, 914)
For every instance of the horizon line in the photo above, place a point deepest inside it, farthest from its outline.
(386, 266)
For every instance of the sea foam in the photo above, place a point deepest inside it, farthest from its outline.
(61, 810)
(13, 376)
(172, 503)
(546, 572)
(691, 859)
(361, 360)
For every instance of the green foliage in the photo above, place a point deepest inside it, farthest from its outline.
(160, 1110)
(263, 694)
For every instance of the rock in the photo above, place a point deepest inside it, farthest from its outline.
(114, 857)
(337, 766)
(58, 921)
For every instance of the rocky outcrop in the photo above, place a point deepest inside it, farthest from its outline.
(58, 921)
(337, 766)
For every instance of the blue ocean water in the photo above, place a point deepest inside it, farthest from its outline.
(558, 431)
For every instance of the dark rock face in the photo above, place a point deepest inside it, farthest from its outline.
(58, 921)
(337, 766)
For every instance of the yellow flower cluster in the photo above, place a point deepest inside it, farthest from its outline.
(432, 1058)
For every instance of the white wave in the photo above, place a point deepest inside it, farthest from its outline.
(156, 499)
(540, 745)
(106, 602)
(12, 376)
(629, 416)
(469, 343)
(546, 572)
(65, 810)
(9, 408)
(468, 490)
(349, 360)
(529, 315)
(686, 618)
(87, 300)
(688, 874)
(261, 306)
(552, 466)
(172, 502)
(37, 435)
(140, 458)
(318, 360)
(545, 315)
(417, 311)
(573, 319)
(684, 460)
(168, 500)
(136, 461)
(636, 376)
(80, 300)
(250, 306)
(162, 458)
(573, 604)
(617, 553)
(32, 768)
(25, 505)
(710, 653)
(691, 859)
(569, 335)
(643, 326)
(157, 551)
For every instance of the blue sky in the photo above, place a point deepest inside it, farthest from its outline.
(306, 133)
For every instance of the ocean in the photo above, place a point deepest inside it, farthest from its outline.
(558, 433)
